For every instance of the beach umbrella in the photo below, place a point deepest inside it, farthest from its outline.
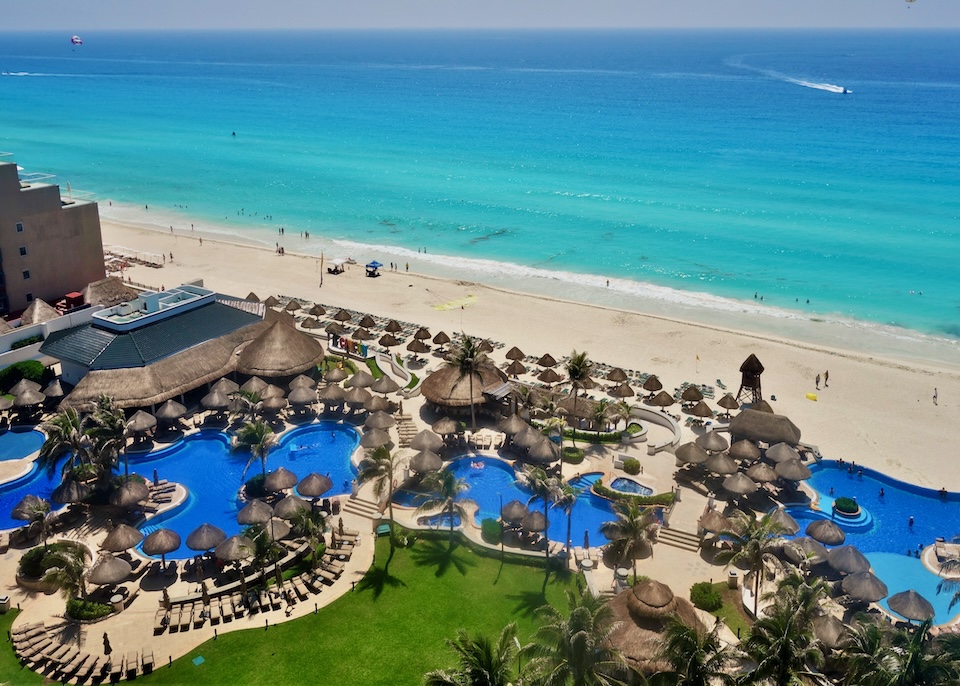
(342, 316)
(534, 521)
(662, 399)
(829, 630)
(271, 391)
(303, 381)
(357, 397)
(367, 322)
(512, 425)
(109, 570)
(781, 452)
(234, 549)
(28, 505)
(652, 384)
(426, 461)
(780, 518)
(422, 334)
(911, 605)
(763, 406)
(310, 323)
(53, 390)
(515, 368)
(161, 542)
(515, 354)
(5, 403)
(393, 327)
(691, 394)
(617, 375)
(712, 441)
(24, 385)
(314, 485)
(334, 329)
(317, 311)
(205, 537)
(825, 531)
(379, 420)
(226, 386)
(362, 334)
(728, 402)
(417, 346)
(129, 494)
(762, 473)
(543, 451)
(70, 491)
(804, 549)
(289, 506)
(622, 391)
(388, 340)
(377, 403)
(271, 301)
(485, 346)
(793, 470)
(864, 586)
(123, 537)
(548, 375)
(29, 398)
(274, 403)
(141, 421)
(547, 361)
(279, 479)
(362, 379)
(446, 426)
(691, 453)
(715, 522)
(254, 385)
(385, 384)
(254, 512)
(276, 529)
(331, 394)
(739, 484)
(336, 375)
(292, 306)
(374, 438)
(426, 440)
(441, 338)
(171, 411)
(848, 559)
(701, 409)
(744, 450)
(718, 463)
(215, 400)
(513, 512)
(527, 438)
(302, 396)
(252, 297)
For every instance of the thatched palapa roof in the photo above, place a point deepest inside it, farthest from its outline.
(761, 426)
(446, 386)
(108, 292)
(280, 351)
(38, 312)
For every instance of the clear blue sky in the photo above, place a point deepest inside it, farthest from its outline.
(79, 15)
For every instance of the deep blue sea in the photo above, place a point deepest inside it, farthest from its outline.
(691, 169)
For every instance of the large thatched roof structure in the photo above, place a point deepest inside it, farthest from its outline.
(761, 426)
(446, 386)
(108, 292)
(38, 312)
(4, 327)
(281, 350)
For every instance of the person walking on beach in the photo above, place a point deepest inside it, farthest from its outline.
(408, 266)
(934, 395)
(818, 382)
(826, 378)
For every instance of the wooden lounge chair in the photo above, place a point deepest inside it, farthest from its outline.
(215, 611)
(89, 668)
(275, 600)
(228, 608)
(264, 601)
(186, 616)
(115, 667)
(327, 576)
(299, 588)
(161, 620)
(33, 650)
(146, 658)
(132, 665)
(201, 614)
(238, 609)
(71, 667)
(54, 653)
(65, 659)
(314, 582)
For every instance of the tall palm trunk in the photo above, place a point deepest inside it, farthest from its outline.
(473, 415)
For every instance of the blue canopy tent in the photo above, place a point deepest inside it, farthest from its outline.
(373, 268)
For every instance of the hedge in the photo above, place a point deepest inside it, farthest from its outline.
(254, 487)
(660, 499)
(32, 370)
(36, 561)
(87, 609)
(24, 342)
(572, 455)
(704, 596)
(846, 505)
(491, 530)
(631, 466)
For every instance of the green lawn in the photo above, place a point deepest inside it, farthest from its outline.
(731, 612)
(390, 630)
(10, 670)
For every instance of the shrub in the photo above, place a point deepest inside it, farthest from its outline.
(846, 505)
(634, 428)
(705, 596)
(24, 342)
(36, 561)
(572, 455)
(631, 466)
(491, 530)
(32, 370)
(254, 487)
(87, 609)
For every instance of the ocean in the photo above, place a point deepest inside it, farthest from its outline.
(683, 173)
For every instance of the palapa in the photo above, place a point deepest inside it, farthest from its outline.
(141, 421)
(830, 631)
(393, 327)
(745, 451)
(54, 390)
(622, 391)
(311, 323)
(448, 387)
(515, 368)
(281, 350)
(314, 485)
(527, 437)
(292, 305)
(108, 292)
(109, 570)
(691, 394)
(804, 549)
(5, 403)
(161, 542)
(782, 520)
(485, 346)
(302, 396)
(130, 494)
(422, 334)
(362, 334)
(849, 560)
(123, 537)
(357, 397)
(254, 385)
(290, 506)
(441, 338)
(335, 329)
(617, 375)
(379, 420)
(825, 531)
(205, 537)
(720, 463)
(367, 322)
(24, 385)
(691, 453)
(302, 381)
(171, 411)
(651, 599)
(29, 398)
(37, 312)
(426, 461)
(712, 441)
(534, 521)
(271, 391)
(417, 346)
(781, 452)
(271, 301)
(254, 512)
(548, 375)
(864, 586)
(28, 506)
(793, 470)
(214, 400)
(317, 311)
(374, 438)
(652, 384)
(279, 479)
(543, 451)
(739, 484)
(728, 402)
(336, 375)
(715, 522)
(446, 426)
(513, 512)
(377, 403)
(331, 394)
(234, 549)
(515, 354)
(342, 316)
(911, 605)
(762, 473)
(547, 360)
(252, 297)
(662, 399)
(763, 406)
(228, 386)
(388, 340)
(426, 440)
(70, 491)
(761, 426)
(385, 384)
(512, 425)
(362, 379)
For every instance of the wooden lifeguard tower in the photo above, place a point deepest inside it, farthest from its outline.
(750, 371)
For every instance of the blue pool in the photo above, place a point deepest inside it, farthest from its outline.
(19, 442)
(625, 485)
(212, 472)
(36, 482)
(490, 478)
(886, 537)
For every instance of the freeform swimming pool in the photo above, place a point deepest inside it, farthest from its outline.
(212, 472)
(35, 482)
(625, 485)
(20, 442)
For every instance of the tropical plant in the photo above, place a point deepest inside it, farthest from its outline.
(705, 596)
(265, 551)
(107, 432)
(602, 411)
(573, 648)
(310, 524)
(38, 514)
(466, 357)
(67, 571)
(381, 467)
(631, 533)
(620, 411)
(446, 490)
(547, 489)
(783, 648)
(247, 405)
(480, 660)
(259, 437)
(875, 656)
(697, 657)
(578, 371)
(801, 594)
(565, 497)
(67, 436)
(752, 539)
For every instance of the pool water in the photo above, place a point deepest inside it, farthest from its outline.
(887, 536)
(625, 485)
(18, 443)
(36, 482)
(490, 478)
(212, 473)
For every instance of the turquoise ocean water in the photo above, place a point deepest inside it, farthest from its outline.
(691, 169)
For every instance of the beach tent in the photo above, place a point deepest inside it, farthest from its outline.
(373, 268)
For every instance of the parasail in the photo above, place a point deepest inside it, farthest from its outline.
(76, 40)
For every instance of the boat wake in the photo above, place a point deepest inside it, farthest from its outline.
(779, 76)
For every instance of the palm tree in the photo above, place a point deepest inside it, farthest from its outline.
(752, 540)
(68, 571)
(38, 513)
(601, 415)
(631, 533)
(801, 594)
(381, 468)
(466, 357)
(876, 656)
(108, 433)
(620, 410)
(259, 437)
(697, 657)
(67, 436)
(573, 649)
(248, 403)
(578, 371)
(265, 550)
(547, 488)
(446, 490)
(783, 648)
(565, 498)
(480, 661)
(310, 524)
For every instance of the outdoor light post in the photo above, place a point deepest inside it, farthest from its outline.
(516, 642)
(500, 495)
